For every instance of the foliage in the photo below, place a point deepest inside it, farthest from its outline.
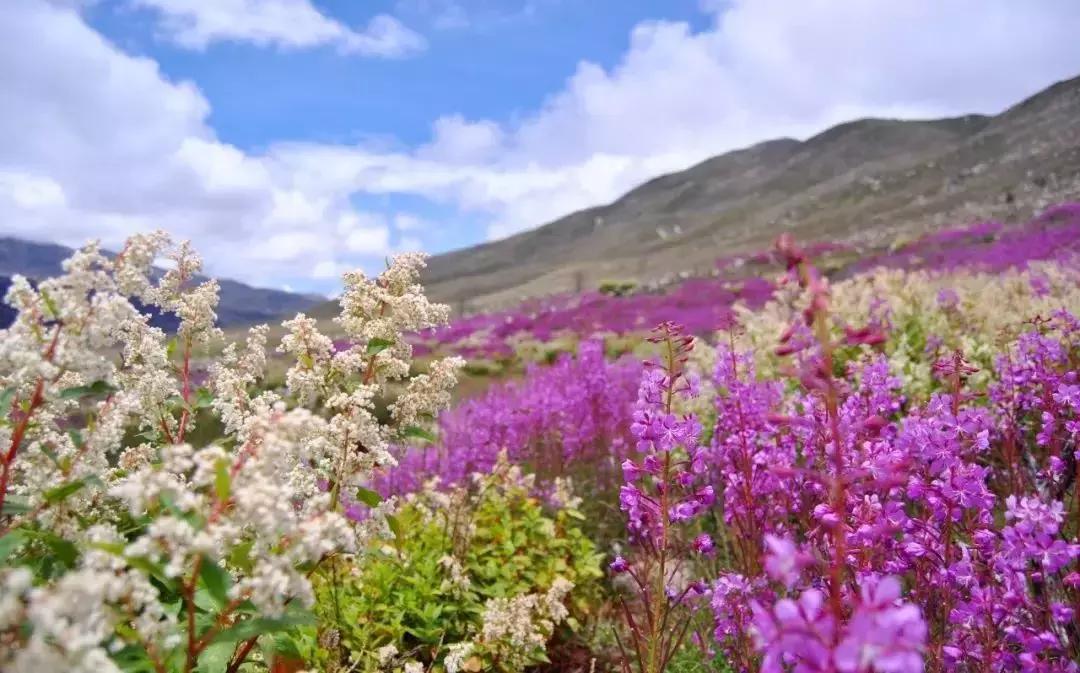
(567, 420)
(924, 316)
(873, 475)
(470, 557)
(617, 288)
(863, 530)
(124, 547)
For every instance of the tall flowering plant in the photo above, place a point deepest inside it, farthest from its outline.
(561, 420)
(124, 547)
(661, 494)
(821, 612)
(840, 493)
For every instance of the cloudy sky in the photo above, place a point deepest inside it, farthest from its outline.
(291, 139)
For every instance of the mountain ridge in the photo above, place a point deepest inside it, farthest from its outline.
(240, 304)
(864, 181)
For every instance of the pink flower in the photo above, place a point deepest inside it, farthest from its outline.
(703, 544)
(783, 561)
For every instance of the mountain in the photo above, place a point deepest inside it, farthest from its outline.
(864, 182)
(240, 304)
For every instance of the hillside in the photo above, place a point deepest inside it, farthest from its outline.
(240, 304)
(864, 182)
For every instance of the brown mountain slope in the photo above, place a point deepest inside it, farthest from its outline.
(863, 181)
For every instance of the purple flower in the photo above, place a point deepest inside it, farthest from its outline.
(783, 561)
(882, 635)
(703, 544)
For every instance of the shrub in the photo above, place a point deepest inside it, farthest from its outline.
(860, 530)
(482, 566)
(151, 554)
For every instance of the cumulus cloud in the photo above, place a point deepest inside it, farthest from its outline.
(290, 24)
(762, 69)
(95, 140)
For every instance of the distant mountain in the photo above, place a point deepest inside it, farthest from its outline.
(240, 304)
(864, 182)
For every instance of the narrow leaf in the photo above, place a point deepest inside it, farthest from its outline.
(95, 389)
(63, 491)
(222, 481)
(14, 504)
(215, 658)
(216, 580)
(258, 626)
(5, 401)
(50, 305)
(368, 497)
(203, 398)
(10, 543)
(395, 526)
(416, 432)
(377, 345)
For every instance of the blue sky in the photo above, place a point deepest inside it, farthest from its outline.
(489, 59)
(506, 58)
(291, 140)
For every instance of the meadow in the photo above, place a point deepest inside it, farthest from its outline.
(815, 459)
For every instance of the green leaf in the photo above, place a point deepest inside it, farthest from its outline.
(216, 580)
(203, 398)
(52, 456)
(416, 432)
(61, 492)
(62, 549)
(114, 548)
(377, 345)
(131, 658)
(240, 556)
(216, 657)
(257, 626)
(368, 497)
(95, 389)
(222, 480)
(76, 437)
(14, 504)
(155, 570)
(5, 401)
(50, 305)
(395, 526)
(10, 543)
(170, 347)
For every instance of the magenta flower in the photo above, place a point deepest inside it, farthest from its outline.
(703, 544)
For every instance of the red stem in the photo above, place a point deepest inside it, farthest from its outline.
(24, 423)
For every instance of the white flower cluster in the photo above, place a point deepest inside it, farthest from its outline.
(458, 577)
(456, 656)
(516, 627)
(375, 313)
(926, 311)
(83, 371)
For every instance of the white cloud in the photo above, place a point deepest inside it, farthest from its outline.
(369, 241)
(408, 222)
(94, 141)
(290, 24)
(763, 69)
(98, 143)
(458, 141)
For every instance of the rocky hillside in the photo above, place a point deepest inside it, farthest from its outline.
(867, 181)
(240, 304)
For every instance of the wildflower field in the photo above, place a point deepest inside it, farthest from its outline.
(814, 460)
